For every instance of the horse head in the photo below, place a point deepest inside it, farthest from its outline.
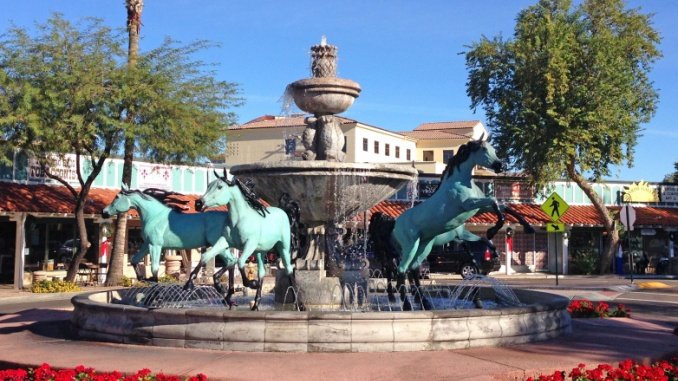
(120, 204)
(485, 155)
(218, 193)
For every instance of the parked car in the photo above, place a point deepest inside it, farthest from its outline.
(467, 258)
(67, 249)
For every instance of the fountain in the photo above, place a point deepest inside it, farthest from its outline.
(345, 312)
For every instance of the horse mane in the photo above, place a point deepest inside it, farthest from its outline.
(465, 150)
(168, 198)
(162, 196)
(249, 194)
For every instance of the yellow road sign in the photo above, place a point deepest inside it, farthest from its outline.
(554, 227)
(554, 207)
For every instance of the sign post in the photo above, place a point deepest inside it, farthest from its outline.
(555, 207)
(627, 216)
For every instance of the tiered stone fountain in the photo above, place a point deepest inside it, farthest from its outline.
(329, 191)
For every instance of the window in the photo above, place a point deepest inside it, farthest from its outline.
(376, 146)
(397, 152)
(290, 146)
(408, 155)
(447, 155)
(365, 144)
(428, 155)
(387, 149)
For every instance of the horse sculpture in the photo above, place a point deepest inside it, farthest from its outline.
(440, 218)
(252, 227)
(163, 227)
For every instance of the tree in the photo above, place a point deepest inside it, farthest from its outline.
(672, 177)
(60, 92)
(566, 97)
(116, 264)
(179, 111)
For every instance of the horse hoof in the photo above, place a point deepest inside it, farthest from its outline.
(189, 286)
(426, 304)
(407, 306)
(391, 298)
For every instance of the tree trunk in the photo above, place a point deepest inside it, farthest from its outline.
(608, 222)
(117, 263)
(84, 241)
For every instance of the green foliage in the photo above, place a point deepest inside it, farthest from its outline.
(571, 88)
(584, 262)
(181, 109)
(126, 282)
(53, 286)
(672, 177)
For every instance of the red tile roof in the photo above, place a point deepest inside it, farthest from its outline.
(40, 198)
(49, 199)
(578, 215)
(270, 121)
(435, 135)
(460, 124)
(56, 199)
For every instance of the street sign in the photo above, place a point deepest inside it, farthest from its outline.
(627, 216)
(554, 227)
(554, 207)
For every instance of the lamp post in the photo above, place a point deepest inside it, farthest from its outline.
(627, 212)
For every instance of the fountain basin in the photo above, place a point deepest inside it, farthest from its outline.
(326, 191)
(324, 95)
(543, 317)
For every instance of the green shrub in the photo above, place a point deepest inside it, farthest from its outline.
(52, 286)
(584, 262)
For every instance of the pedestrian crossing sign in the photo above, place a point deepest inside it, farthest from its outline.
(554, 207)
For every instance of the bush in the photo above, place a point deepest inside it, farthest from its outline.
(584, 262)
(625, 370)
(53, 286)
(46, 373)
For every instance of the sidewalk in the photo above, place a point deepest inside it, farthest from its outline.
(38, 335)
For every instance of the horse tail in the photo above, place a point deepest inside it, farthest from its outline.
(293, 212)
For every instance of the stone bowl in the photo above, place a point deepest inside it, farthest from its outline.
(324, 96)
(96, 316)
(326, 191)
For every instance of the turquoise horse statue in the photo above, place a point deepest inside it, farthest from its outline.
(406, 242)
(163, 227)
(253, 227)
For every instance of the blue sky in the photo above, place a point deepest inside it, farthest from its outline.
(405, 54)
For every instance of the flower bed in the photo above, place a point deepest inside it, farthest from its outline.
(626, 370)
(46, 373)
(582, 308)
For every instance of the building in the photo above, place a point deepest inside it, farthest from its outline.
(36, 215)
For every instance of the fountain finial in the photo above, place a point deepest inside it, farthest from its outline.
(323, 59)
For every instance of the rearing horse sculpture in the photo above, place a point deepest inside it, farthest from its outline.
(252, 227)
(440, 218)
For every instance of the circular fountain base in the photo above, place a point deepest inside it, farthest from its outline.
(98, 317)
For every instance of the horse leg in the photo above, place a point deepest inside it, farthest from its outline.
(526, 225)
(389, 284)
(491, 232)
(194, 274)
(155, 250)
(136, 259)
(261, 272)
(400, 285)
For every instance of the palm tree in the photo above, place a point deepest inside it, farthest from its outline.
(115, 272)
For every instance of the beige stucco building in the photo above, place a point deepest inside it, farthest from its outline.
(277, 138)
